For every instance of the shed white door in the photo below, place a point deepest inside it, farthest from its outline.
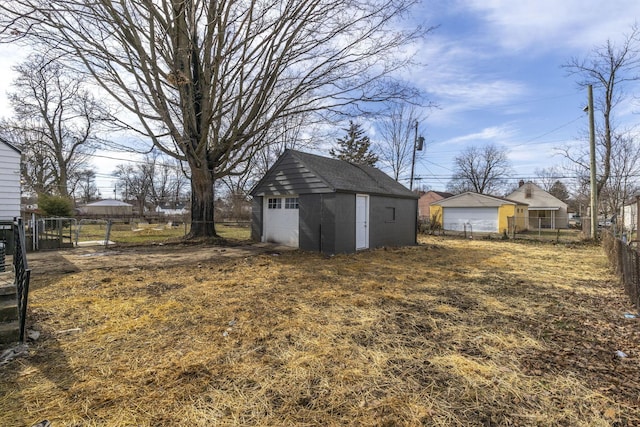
(362, 221)
(281, 220)
(481, 219)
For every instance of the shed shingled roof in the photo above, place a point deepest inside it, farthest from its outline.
(343, 176)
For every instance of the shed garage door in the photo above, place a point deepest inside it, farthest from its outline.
(481, 219)
(281, 220)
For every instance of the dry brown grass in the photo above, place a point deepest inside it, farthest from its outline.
(452, 332)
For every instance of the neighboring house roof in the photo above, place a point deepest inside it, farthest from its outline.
(298, 172)
(469, 199)
(442, 194)
(536, 198)
(108, 202)
(11, 145)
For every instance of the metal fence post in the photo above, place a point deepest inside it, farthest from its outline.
(3, 252)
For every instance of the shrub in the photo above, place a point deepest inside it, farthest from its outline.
(55, 206)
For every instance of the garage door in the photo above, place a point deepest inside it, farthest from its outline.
(481, 219)
(281, 220)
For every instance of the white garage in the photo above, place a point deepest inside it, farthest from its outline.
(479, 213)
(480, 219)
(281, 220)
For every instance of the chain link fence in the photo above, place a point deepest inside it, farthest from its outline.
(625, 259)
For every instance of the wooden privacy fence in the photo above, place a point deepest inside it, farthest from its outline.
(626, 261)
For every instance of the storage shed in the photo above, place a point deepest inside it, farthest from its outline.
(321, 204)
(9, 181)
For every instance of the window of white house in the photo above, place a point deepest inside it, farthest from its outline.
(275, 203)
(291, 203)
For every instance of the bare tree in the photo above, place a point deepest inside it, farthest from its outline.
(84, 187)
(482, 170)
(610, 69)
(293, 132)
(625, 169)
(137, 180)
(35, 169)
(207, 80)
(56, 123)
(547, 177)
(397, 131)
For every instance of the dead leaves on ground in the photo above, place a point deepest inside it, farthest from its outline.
(452, 332)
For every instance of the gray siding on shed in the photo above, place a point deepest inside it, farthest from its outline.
(311, 228)
(289, 176)
(327, 191)
(327, 223)
(256, 219)
(332, 216)
(400, 231)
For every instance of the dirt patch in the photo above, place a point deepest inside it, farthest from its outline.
(52, 263)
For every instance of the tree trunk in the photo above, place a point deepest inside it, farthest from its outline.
(202, 204)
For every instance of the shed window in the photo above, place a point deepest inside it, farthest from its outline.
(291, 203)
(275, 203)
(390, 214)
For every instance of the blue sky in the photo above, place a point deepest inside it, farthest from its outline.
(494, 69)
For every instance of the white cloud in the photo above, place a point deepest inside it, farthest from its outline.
(454, 79)
(494, 134)
(543, 25)
(10, 56)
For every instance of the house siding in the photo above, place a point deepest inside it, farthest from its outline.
(519, 212)
(436, 214)
(541, 204)
(9, 182)
(424, 203)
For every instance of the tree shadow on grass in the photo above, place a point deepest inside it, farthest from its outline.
(42, 373)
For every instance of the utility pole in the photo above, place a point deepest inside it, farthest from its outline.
(418, 143)
(592, 158)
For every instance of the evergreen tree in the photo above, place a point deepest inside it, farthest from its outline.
(355, 147)
(559, 191)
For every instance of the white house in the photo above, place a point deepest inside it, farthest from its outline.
(9, 181)
(172, 209)
(108, 207)
(545, 210)
(629, 216)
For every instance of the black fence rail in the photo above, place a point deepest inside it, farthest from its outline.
(22, 274)
(13, 238)
(625, 259)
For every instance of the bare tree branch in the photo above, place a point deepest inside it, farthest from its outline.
(212, 78)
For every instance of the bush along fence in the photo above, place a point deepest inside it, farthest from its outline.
(626, 261)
